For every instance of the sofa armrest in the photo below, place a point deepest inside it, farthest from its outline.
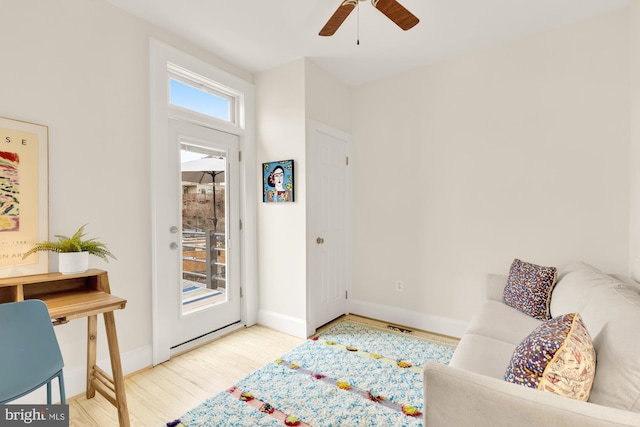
(454, 397)
(494, 286)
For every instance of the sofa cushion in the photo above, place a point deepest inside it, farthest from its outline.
(529, 288)
(558, 357)
(612, 317)
(496, 320)
(482, 355)
(494, 286)
(575, 287)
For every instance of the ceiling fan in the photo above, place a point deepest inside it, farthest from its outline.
(391, 8)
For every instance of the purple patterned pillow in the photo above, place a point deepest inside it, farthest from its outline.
(529, 288)
(557, 357)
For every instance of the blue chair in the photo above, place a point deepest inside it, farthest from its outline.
(29, 353)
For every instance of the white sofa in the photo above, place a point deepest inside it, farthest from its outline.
(471, 391)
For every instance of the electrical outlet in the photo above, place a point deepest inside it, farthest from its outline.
(399, 286)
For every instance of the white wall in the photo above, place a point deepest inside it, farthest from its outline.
(634, 233)
(81, 67)
(280, 135)
(328, 100)
(520, 150)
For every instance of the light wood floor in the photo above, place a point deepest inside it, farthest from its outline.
(163, 393)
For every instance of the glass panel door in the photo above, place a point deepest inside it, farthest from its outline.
(197, 206)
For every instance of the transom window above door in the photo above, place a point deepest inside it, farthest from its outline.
(200, 95)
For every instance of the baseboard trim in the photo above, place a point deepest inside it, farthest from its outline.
(426, 322)
(280, 322)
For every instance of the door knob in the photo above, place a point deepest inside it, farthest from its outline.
(319, 240)
(173, 245)
(173, 229)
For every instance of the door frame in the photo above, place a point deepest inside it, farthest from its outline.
(314, 127)
(161, 55)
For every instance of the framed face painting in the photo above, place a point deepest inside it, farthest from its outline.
(277, 181)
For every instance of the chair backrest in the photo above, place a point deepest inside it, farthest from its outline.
(29, 353)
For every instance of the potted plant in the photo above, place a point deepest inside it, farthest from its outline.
(73, 252)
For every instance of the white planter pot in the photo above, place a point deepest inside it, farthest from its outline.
(73, 262)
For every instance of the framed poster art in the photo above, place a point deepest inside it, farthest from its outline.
(277, 181)
(24, 196)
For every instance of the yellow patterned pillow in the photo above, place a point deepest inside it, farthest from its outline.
(572, 369)
(557, 357)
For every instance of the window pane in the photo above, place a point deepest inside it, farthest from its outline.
(189, 97)
(204, 265)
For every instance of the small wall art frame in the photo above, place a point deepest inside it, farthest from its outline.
(277, 181)
(24, 196)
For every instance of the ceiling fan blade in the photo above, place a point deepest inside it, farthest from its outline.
(397, 13)
(338, 17)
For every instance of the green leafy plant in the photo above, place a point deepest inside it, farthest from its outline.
(75, 243)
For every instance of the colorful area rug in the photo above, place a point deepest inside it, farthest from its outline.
(348, 375)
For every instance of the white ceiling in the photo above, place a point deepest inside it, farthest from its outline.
(258, 35)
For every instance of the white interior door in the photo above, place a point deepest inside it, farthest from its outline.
(196, 266)
(328, 226)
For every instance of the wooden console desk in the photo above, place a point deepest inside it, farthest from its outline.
(72, 296)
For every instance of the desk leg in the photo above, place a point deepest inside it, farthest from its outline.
(116, 368)
(111, 387)
(92, 334)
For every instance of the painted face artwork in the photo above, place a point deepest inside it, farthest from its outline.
(278, 181)
(278, 178)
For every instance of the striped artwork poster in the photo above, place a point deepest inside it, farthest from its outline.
(21, 199)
